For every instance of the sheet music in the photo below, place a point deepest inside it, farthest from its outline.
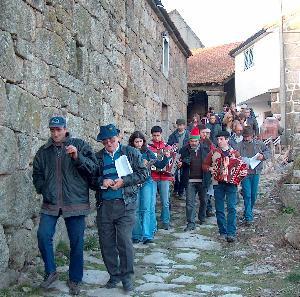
(123, 166)
(252, 162)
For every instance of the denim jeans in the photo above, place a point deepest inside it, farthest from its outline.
(178, 184)
(226, 192)
(250, 187)
(192, 190)
(75, 227)
(163, 186)
(145, 219)
(115, 222)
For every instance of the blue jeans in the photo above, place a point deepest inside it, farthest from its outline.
(145, 220)
(226, 191)
(75, 227)
(250, 187)
(164, 187)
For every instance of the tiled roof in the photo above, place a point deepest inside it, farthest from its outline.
(211, 64)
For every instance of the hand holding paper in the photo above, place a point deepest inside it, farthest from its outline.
(123, 166)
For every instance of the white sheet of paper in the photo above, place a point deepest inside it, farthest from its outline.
(123, 166)
(252, 162)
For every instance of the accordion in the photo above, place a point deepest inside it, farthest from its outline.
(233, 173)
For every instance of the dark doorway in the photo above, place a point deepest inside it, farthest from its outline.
(198, 103)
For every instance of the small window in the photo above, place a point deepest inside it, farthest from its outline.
(248, 58)
(164, 112)
(166, 53)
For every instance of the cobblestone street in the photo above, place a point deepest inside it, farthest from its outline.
(194, 263)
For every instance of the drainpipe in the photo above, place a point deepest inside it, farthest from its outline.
(282, 89)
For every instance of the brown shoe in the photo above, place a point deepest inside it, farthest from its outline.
(74, 287)
(49, 279)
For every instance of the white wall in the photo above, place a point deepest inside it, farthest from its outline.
(264, 75)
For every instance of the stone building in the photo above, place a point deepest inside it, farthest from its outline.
(187, 34)
(96, 62)
(210, 78)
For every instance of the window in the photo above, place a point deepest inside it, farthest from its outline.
(166, 53)
(164, 112)
(248, 58)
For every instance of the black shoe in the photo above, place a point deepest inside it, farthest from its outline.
(201, 222)
(49, 279)
(166, 226)
(146, 241)
(189, 228)
(74, 287)
(210, 213)
(112, 282)
(135, 241)
(231, 239)
(248, 223)
(127, 285)
(181, 197)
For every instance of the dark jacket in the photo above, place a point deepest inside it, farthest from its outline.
(174, 137)
(63, 181)
(131, 181)
(215, 129)
(259, 147)
(186, 161)
(252, 122)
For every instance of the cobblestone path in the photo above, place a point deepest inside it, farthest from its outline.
(192, 263)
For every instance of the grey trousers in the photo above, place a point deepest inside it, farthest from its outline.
(192, 190)
(115, 223)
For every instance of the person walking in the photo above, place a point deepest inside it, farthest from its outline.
(145, 222)
(179, 138)
(62, 169)
(116, 195)
(161, 178)
(197, 181)
(214, 128)
(218, 163)
(251, 148)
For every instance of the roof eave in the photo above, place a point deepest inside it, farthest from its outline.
(171, 28)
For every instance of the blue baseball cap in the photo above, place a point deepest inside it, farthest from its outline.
(107, 131)
(57, 122)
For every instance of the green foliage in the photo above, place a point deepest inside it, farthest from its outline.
(288, 210)
(91, 243)
(294, 277)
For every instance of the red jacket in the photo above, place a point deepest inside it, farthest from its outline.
(156, 148)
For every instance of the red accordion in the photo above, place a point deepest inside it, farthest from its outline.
(233, 173)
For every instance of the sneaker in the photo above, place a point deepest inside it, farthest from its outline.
(74, 287)
(165, 226)
(49, 279)
(146, 241)
(189, 228)
(210, 213)
(248, 223)
(135, 241)
(231, 239)
(112, 282)
(127, 285)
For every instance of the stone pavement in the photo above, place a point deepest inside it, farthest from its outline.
(180, 264)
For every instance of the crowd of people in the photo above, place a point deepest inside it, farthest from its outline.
(208, 158)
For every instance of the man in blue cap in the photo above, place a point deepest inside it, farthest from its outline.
(116, 205)
(61, 170)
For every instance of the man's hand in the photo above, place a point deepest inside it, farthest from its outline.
(119, 183)
(145, 162)
(108, 183)
(179, 164)
(167, 153)
(72, 151)
(260, 157)
(226, 162)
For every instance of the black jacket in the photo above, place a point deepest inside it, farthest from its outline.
(131, 181)
(186, 161)
(63, 181)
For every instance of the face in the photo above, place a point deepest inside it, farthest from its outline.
(202, 134)
(138, 143)
(181, 127)
(156, 136)
(247, 113)
(58, 134)
(238, 130)
(225, 108)
(223, 142)
(111, 144)
(248, 138)
(194, 143)
(212, 119)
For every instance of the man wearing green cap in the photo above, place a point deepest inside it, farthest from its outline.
(195, 179)
(61, 170)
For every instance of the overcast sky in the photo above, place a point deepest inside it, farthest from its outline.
(224, 21)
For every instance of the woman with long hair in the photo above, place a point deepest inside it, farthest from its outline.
(145, 223)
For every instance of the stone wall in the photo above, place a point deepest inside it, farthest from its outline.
(96, 62)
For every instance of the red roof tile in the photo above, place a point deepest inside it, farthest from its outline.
(211, 64)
